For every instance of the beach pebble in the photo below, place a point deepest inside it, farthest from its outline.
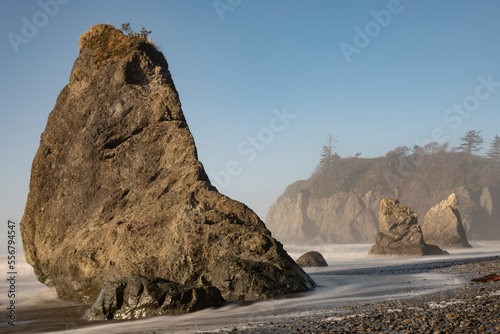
(471, 308)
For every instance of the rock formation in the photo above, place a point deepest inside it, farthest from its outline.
(117, 188)
(352, 217)
(400, 233)
(136, 297)
(341, 218)
(443, 225)
(312, 259)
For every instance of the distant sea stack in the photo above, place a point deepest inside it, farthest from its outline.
(341, 204)
(117, 188)
(400, 233)
(443, 225)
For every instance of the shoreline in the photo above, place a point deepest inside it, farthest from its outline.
(467, 308)
(37, 319)
(346, 317)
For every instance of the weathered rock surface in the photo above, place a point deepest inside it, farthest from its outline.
(400, 233)
(342, 218)
(117, 189)
(443, 225)
(312, 259)
(350, 217)
(136, 297)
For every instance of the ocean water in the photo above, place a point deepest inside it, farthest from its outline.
(352, 276)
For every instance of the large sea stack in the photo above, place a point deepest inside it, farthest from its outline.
(117, 189)
(400, 233)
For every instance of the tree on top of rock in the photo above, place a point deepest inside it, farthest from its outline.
(126, 28)
(494, 152)
(471, 142)
(327, 154)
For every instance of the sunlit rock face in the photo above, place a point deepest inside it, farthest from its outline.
(117, 189)
(341, 205)
(443, 225)
(400, 233)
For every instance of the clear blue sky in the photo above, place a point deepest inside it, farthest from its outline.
(406, 71)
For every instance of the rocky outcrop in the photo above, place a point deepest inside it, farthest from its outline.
(480, 212)
(117, 189)
(351, 217)
(342, 218)
(136, 297)
(312, 259)
(400, 233)
(443, 225)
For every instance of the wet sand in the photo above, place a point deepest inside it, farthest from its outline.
(47, 319)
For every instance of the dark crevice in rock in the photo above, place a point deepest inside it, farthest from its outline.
(162, 298)
(152, 178)
(164, 192)
(194, 201)
(119, 295)
(114, 143)
(137, 131)
(125, 193)
(134, 74)
(166, 118)
(141, 290)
